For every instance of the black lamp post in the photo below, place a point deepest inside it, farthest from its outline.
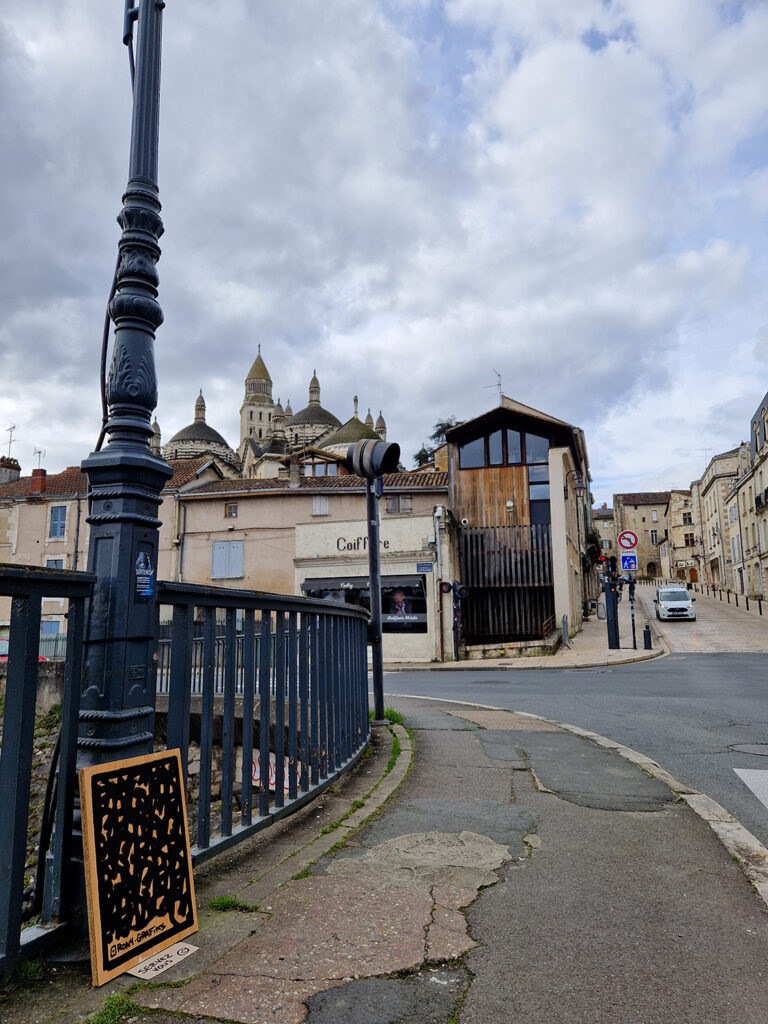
(118, 688)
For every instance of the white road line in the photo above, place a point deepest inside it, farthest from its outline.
(757, 780)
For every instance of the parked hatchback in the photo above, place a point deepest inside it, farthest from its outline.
(674, 603)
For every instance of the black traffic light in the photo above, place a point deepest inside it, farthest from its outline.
(372, 459)
(446, 588)
(460, 591)
(612, 561)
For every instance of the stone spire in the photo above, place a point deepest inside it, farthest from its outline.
(314, 389)
(200, 408)
(369, 419)
(154, 441)
(381, 427)
(356, 416)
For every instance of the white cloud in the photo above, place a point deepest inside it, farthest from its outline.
(405, 197)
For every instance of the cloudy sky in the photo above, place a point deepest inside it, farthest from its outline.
(408, 196)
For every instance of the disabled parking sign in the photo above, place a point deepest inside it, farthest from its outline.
(628, 561)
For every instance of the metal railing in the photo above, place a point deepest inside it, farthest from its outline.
(47, 894)
(292, 681)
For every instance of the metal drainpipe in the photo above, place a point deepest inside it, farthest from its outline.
(77, 532)
(183, 510)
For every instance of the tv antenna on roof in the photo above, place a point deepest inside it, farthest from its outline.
(496, 385)
(705, 452)
(40, 453)
(10, 431)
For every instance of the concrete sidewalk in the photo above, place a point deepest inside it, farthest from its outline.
(521, 870)
(587, 649)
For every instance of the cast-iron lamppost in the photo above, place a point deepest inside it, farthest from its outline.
(125, 479)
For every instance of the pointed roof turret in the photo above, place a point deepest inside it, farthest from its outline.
(381, 427)
(369, 419)
(259, 370)
(200, 408)
(314, 389)
(288, 409)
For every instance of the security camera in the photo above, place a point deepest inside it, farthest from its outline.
(465, 522)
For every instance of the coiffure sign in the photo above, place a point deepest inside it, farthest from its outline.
(358, 544)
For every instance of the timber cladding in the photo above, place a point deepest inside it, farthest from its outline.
(138, 868)
(481, 495)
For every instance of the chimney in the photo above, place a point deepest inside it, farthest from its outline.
(294, 474)
(38, 481)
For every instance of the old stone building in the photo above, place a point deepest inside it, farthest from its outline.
(677, 550)
(645, 514)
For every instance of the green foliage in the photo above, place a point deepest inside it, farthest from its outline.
(441, 429)
(423, 456)
(51, 720)
(305, 873)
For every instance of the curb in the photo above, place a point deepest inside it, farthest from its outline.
(748, 852)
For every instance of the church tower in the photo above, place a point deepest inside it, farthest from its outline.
(257, 409)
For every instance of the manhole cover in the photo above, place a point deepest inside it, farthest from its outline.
(751, 748)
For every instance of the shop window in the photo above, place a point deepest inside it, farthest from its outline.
(403, 599)
(58, 521)
(320, 505)
(228, 560)
(230, 510)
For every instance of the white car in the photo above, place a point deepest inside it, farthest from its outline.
(674, 603)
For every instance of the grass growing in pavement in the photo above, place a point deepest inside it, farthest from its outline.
(229, 903)
(392, 715)
(117, 1008)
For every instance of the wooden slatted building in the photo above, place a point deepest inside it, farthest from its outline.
(518, 483)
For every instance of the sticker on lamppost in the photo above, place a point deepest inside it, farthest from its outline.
(627, 540)
(629, 561)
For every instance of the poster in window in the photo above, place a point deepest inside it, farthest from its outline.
(138, 866)
(403, 607)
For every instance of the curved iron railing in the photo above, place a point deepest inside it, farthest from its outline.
(285, 675)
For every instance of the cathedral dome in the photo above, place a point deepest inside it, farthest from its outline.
(198, 438)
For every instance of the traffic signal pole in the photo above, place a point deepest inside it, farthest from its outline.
(374, 589)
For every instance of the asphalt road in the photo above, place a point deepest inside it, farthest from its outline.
(687, 711)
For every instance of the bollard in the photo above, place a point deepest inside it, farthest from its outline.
(746, 602)
(647, 637)
(760, 605)
(736, 597)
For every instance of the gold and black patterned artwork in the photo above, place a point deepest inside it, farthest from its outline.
(138, 868)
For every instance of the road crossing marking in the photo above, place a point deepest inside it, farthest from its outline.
(756, 780)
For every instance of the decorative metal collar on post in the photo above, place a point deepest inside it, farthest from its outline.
(372, 459)
(126, 479)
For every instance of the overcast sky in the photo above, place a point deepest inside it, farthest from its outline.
(406, 196)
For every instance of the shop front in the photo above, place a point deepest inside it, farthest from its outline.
(332, 564)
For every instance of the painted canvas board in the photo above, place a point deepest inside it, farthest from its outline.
(138, 867)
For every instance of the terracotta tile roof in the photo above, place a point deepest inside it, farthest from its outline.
(438, 481)
(73, 481)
